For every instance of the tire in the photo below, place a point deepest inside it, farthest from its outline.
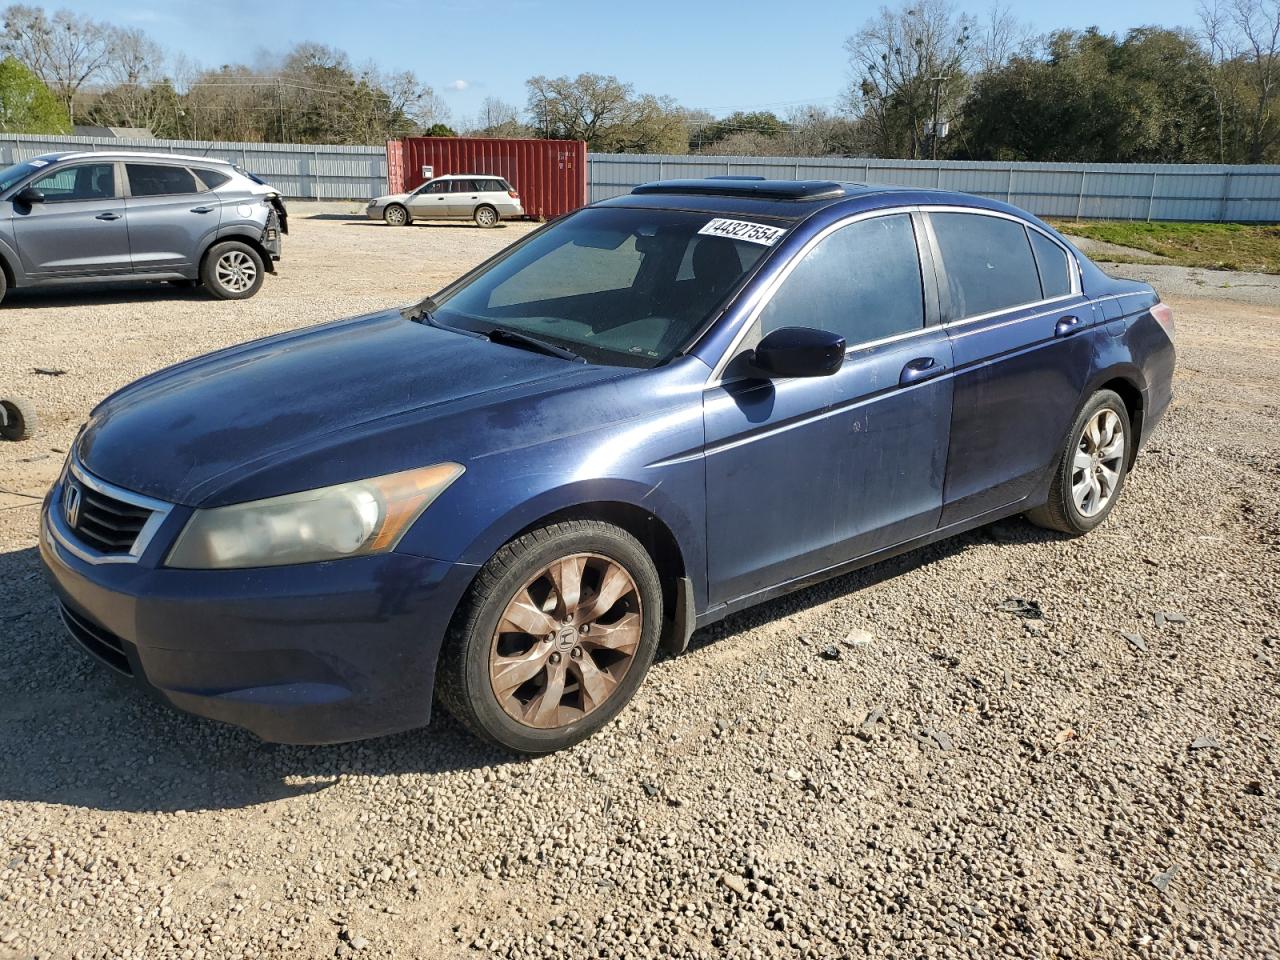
(1065, 510)
(478, 661)
(232, 270)
(396, 216)
(4, 284)
(486, 216)
(19, 420)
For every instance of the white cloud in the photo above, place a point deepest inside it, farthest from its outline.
(457, 86)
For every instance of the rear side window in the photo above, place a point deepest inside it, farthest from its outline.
(85, 181)
(988, 263)
(212, 179)
(1051, 261)
(862, 282)
(156, 180)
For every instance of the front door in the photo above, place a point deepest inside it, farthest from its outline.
(169, 218)
(431, 201)
(79, 227)
(805, 474)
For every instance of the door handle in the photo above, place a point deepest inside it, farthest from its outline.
(202, 209)
(107, 216)
(1066, 326)
(919, 370)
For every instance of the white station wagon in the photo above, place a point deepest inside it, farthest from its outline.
(484, 198)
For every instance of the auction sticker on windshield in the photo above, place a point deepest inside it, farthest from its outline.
(743, 230)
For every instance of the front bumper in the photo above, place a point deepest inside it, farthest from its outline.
(317, 653)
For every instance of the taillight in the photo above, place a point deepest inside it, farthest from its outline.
(513, 195)
(1164, 313)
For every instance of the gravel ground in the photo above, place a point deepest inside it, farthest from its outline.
(889, 764)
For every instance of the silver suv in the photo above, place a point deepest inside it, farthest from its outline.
(75, 217)
(481, 197)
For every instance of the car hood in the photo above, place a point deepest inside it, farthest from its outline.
(389, 198)
(306, 407)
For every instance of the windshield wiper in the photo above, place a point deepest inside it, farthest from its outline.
(423, 311)
(513, 338)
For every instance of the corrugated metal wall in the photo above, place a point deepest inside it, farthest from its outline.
(297, 171)
(1133, 191)
(1118, 191)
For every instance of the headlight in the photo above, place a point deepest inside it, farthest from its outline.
(347, 520)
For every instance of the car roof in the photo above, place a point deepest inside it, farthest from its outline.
(466, 176)
(129, 155)
(793, 200)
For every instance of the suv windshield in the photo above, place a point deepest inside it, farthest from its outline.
(11, 175)
(615, 285)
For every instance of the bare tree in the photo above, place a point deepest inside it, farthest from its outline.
(1258, 25)
(1216, 36)
(66, 52)
(1001, 36)
(909, 63)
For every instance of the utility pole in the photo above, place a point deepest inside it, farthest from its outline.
(937, 93)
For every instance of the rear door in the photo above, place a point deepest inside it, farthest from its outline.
(804, 474)
(170, 216)
(1020, 333)
(464, 197)
(79, 228)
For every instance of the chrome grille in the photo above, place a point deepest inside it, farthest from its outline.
(101, 521)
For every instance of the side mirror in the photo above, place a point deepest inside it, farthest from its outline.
(800, 352)
(29, 195)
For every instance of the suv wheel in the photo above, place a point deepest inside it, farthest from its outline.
(232, 270)
(1091, 471)
(395, 215)
(486, 217)
(555, 636)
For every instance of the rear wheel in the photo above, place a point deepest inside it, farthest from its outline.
(232, 270)
(1091, 470)
(395, 215)
(554, 638)
(17, 419)
(486, 217)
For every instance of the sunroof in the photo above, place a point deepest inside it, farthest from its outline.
(759, 188)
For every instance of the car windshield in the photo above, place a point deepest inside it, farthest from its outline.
(11, 175)
(615, 285)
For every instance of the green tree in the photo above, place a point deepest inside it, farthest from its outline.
(606, 113)
(26, 104)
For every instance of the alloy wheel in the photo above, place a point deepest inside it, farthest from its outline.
(486, 217)
(1098, 462)
(565, 641)
(236, 271)
(394, 216)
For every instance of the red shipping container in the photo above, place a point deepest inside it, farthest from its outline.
(549, 175)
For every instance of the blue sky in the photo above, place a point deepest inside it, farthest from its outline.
(718, 55)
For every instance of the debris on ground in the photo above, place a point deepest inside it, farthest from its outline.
(1030, 609)
(1162, 880)
(1136, 641)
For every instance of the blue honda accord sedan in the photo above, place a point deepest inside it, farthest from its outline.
(636, 420)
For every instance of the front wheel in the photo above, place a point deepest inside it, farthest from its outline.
(232, 271)
(395, 215)
(1092, 469)
(554, 638)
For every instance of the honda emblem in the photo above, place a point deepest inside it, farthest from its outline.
(71, 505)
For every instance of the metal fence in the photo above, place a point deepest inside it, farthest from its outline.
(1113, 191)
(297, 171)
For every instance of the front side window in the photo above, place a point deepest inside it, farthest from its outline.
(1051, 261)
(988, 263)
(85, 181)
(436, 186)
(862, 282)
(160, 180)
(608, 284)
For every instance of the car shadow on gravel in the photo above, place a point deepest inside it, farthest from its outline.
(104, 294)
(1012, 531)
(72, 732)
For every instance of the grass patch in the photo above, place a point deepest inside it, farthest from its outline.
(1216, 246)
